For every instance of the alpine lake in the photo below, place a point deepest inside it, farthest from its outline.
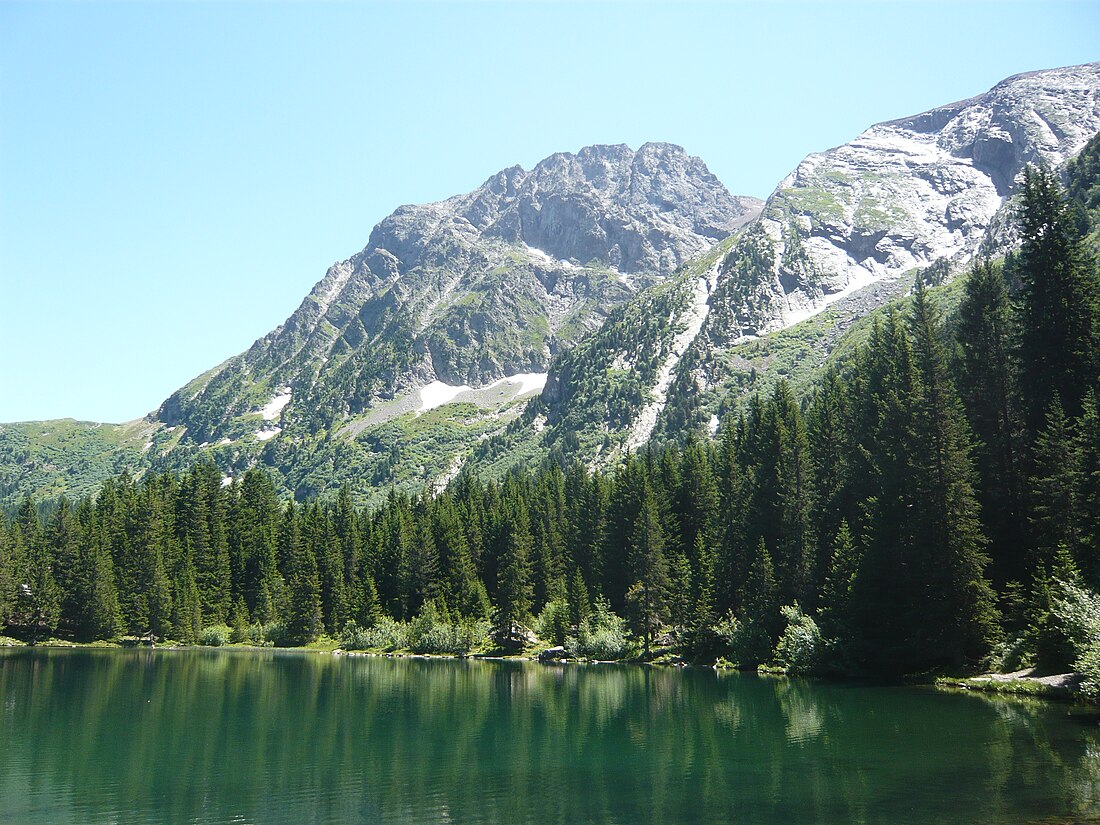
(268, 736)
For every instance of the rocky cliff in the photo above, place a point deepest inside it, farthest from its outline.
(900, 196)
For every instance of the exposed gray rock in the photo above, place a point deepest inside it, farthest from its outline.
(901, 195)
(553, 654)
(477, 287)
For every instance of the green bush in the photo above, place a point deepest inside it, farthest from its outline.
(602, 636)
(1012, 654)
(277, 634)
(434, 631)
(455, 638)
(385, 635)
(552, 625)
(747, 644)
(801, 649)
(252, 634)
(217, 635)
(1078, 609)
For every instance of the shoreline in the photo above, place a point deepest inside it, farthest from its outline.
(1062, 688)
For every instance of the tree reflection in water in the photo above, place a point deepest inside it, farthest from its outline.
(270, 736)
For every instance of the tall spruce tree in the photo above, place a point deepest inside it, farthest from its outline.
(513, 591)
(959, 620)
(1087, 498)
(987, 387)
(303, 611)
(1059, 337)
(648, 594)
(1053, 488)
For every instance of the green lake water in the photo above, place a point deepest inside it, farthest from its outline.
(113, 736)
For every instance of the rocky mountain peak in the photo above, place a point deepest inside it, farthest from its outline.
(478, 287)
(901, 195)
(644, 211)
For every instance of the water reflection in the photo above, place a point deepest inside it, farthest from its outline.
(244, 736)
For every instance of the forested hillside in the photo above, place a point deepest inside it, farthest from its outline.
(935, 505)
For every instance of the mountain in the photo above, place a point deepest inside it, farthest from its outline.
(631, 286)
(844, 233)
(902, 195)
(468, 299)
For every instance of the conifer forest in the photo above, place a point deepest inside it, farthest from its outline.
(931, 505)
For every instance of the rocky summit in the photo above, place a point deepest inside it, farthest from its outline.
(474, 288)
(632, 285)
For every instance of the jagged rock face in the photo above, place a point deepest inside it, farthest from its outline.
(478, 286)
(899, 196)
(855, 219)
(635, 212)
(644, 211)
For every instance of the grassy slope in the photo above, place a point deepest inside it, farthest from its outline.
(45, 458)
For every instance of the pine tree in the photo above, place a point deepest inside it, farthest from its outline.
(422, 574)
(514, 591)
(732, 557)
(695, 507)
(760, 616)
(258, 517)
(1087, 495)
(959, 621)
(836, 596)
(186, 605)
(9, 577)
(987, 387)
(830, 447)
(1059, 341)
(577, 599)
(155, 586)
(585, 512)
(41, 597)
(303, 612)
(64, 545)
(345, 525)
(210, 544)
(320, 539)
(648, 595)
(102, 618)
(795, 546)
(461, 586)
(624, 503)
(1053, 485)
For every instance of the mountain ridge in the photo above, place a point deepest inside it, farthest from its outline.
(629, 281)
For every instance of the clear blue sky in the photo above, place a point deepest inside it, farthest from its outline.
(174, 178)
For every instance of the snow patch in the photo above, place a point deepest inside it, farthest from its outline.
(549, 260)
(436, 394)
(693, 318)
(227, 480)
(265, 435)
(528, 382)
(272, 409)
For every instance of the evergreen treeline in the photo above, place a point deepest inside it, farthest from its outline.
(934, 500)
